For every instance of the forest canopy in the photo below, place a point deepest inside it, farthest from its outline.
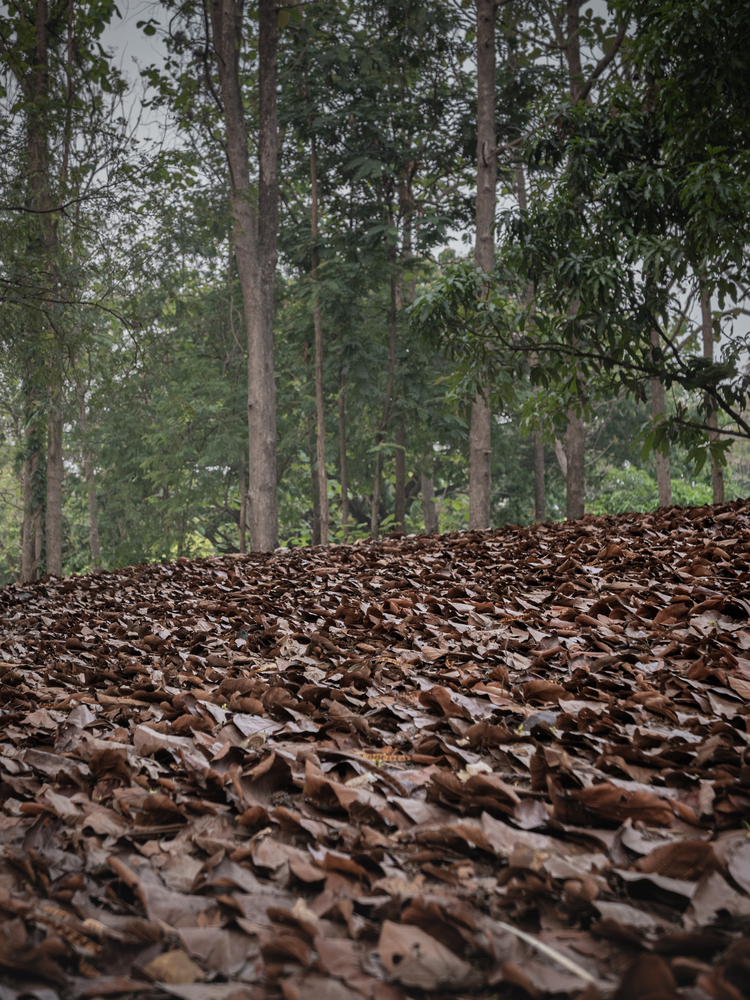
(330, 270)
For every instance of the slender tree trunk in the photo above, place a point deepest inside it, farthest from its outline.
(575, 479)
(480, 433)
(375, 502)
(575, 437)
(243, 507)
(573, 50)
(88, 475)
(35, 86)
(400, 499)
(484, 252)
(562, 458)
(263, 497)
(429, 509)
(406, 292)
(342, 458)
(36, 90)
(53, 510)
(387, 401)
(480, 464)
(317, 318)
(717, 473)
(27, 571)
(255, 246)
(32, 511)
(539, 492)
(539, 497)
(658, 409)
(314, 486)
(575, 459)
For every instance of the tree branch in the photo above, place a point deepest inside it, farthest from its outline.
(604, 61)
(41, 211)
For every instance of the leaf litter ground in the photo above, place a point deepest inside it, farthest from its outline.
(502, 764)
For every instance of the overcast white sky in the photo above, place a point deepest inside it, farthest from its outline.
(129, 43)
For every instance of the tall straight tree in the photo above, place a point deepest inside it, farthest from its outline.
(480, 434)
(575, 441)
(318, 324)
(387, 400)
(539, 491)
(254, 235)
(28, 59)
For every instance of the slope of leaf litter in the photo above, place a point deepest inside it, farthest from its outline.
(502, 764)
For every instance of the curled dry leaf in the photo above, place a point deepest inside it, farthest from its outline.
(414, 958)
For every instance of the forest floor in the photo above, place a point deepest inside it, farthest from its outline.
(502, 764)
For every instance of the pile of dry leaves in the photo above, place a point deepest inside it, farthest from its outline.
(502, 764)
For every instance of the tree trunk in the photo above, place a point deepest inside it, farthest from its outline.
(480, 434)
(658, 409)
(243, 508)
(429, 509)
(539, 493)
(404, 293)
(375, 502)
(32, 511)
(38, 541)
(319, 404)
(539, 497)
(387, 401)
(562, 458)
(573, 50)
(36, 90)
(314, 486)
(400, 499)
(484, 252)
(574, 439)
(88, 475)
(717, 473)
(255, 247)
(53, 511)
(575, 479)
(342, 459)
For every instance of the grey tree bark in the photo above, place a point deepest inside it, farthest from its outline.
(575, 480)
(387, 402)
(717, 473)
(562, 458)
(314, 490)
(318, 323)
(53, 506)
(539, 491)
(342, 458)
(255, 246)
(480, 433)
(575, 434)
(400, 485)
(429, 508)
(243, 507)
(31, 532)
(35, 86)
(658, 408)
(539, 495)
(88, 475)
